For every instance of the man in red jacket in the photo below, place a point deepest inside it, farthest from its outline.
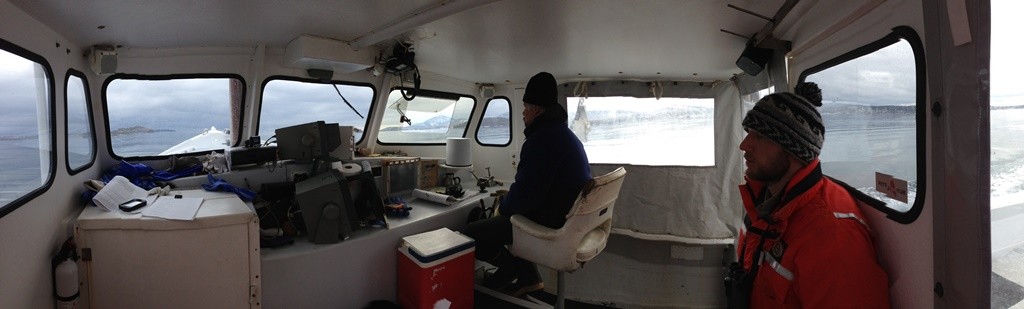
(806, 244)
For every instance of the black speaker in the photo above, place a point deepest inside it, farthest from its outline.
(753, 59)
(327, 208)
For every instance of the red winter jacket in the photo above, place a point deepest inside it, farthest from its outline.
(818, 253)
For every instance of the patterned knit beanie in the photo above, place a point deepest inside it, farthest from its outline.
(791, 120)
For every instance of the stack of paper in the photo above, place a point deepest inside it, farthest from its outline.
(117, 191)
(169, 207)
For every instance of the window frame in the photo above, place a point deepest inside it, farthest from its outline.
(908, 34)
(480, 122)
(369, 114)
(106, 111)
(51, 92)
(438, 95)
(89, 115)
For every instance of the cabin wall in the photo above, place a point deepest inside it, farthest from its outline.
(501, 160)
(905, 250)
(32, 234)
(959, 82)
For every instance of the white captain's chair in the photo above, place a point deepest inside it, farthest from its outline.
(583, 236)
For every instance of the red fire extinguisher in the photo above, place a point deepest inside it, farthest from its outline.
(65, 276)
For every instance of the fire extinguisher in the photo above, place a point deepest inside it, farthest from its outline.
(65, 276)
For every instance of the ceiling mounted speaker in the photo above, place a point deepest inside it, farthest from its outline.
(487, 90)
(753, 59)
(103, 59)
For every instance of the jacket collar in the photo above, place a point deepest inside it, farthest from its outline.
(543, 121)
(753, 192)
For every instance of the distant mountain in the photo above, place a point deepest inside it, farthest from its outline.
(495, 121)
(17, 138)
(849, 109)
(432, 123)
(136, 130)
(1006, 107)
(122, 131)
(597, 117)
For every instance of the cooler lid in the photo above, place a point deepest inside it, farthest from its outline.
(437, 244)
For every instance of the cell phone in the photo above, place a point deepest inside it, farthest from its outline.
(132, 204)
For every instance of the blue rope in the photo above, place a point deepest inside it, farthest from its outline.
(141, 175)
(217, 184)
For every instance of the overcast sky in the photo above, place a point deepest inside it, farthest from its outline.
(1006, 64)
(166, 105)
(17, 95)
(169, 104)
(287, 103)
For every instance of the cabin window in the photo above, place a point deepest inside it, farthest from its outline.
(495, 127)
(26, 126)
(169, 115)
(80, 142)
(288, 102)
(872, 107)
(645, 131)
(431, 117)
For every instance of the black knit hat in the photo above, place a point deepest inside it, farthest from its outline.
(542, 90)
(791, 120)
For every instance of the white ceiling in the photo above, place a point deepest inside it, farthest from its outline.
(507, 40)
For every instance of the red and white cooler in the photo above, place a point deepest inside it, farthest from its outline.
(436, 268)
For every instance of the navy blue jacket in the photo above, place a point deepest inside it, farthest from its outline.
(553, 168)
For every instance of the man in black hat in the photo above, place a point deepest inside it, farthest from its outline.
(553, 168)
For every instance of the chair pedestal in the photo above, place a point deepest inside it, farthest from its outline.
(560, 297)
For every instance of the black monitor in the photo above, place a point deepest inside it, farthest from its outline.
(308, 141)
(401, 177)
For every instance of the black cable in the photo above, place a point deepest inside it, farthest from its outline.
(346, 101)
(415, 81)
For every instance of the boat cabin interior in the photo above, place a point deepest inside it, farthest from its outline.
(408, 113)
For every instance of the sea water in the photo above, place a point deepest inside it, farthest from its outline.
(20, 166)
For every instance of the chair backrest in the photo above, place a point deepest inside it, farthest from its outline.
(591, 216)
(584, 234)
(599, 193)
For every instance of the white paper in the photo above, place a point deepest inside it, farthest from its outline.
(434, 197)
(168, 207)
(117, 191)
(443, 303)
